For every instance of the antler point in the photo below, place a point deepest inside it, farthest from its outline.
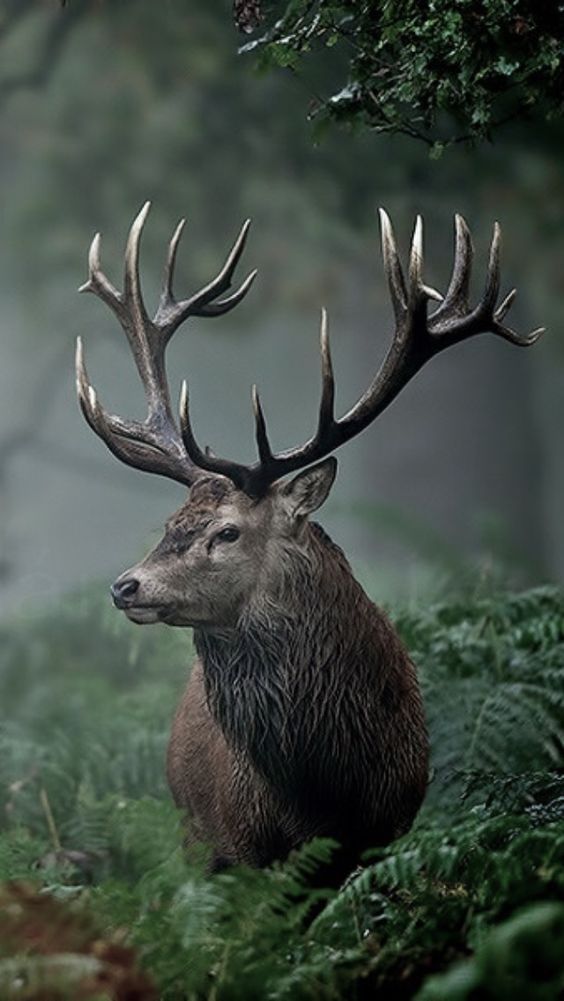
(384, 217)
(178, 230)
(137, 228)
(141, 215)
(460, 223)
(94, 254)
(324, 331)
(432, 293)
(417, 241)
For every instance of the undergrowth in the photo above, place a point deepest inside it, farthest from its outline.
(98, 902)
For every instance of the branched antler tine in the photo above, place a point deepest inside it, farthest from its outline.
(327, 404)
(205, 459)
(456, 298)
(124, 448)
(416, 261)
(167, 295)
(132, 290)
(198, 457)
(433, 293)
(392, 267)
(225, 305)
(506, 305)
(85, 392)
(261, 433)
(491, 291)
(417, 287)
(521, 340)
(222, 281)
(97, 281)
(171, 313)
(130, 441)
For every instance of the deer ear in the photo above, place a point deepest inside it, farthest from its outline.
(308, 490)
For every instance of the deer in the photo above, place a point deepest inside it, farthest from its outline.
(303, 716)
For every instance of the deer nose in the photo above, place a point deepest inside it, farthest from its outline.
(123, 591)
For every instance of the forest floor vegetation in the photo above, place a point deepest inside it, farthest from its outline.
(97, 901)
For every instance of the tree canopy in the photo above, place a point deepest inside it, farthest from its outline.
(442, 72)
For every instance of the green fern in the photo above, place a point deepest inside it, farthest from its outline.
(85, 816)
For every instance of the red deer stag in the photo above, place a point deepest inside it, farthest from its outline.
(302, 715)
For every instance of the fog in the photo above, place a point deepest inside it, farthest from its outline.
(466, 467)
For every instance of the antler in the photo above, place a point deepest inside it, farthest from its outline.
(155, 444)
(417, 338)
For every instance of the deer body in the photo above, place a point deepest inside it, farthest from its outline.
(303, 715)
(304, 720)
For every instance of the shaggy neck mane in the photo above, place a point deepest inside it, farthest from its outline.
(278, 683)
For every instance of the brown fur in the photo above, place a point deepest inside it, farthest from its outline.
(303, 715)
(305, 720)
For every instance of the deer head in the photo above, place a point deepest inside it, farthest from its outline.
(241, 523)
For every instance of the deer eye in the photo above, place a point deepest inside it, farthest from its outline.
(228, 534)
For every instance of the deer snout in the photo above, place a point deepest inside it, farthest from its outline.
(123, 591)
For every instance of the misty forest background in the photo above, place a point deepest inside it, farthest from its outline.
(450, 507)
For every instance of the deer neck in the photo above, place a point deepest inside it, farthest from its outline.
(272, 682)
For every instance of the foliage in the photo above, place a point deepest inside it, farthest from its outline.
(467, 902)
(407, 65)
(522, 958)
(493, 674)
